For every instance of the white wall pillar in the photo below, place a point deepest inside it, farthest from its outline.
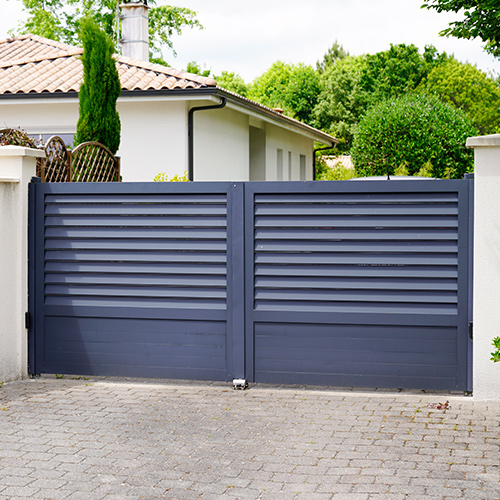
(17, 167)
(486, 376)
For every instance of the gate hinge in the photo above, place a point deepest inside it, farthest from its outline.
(470, 330)
(27, 320)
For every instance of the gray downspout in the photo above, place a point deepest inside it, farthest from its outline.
(191, 134)
(314, 158)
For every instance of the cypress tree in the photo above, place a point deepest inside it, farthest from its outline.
(98, 120)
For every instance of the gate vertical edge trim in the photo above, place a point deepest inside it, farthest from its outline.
(249, 280)
(32, 225)
(470, 270)
(39, 260)
(236, 281)
(463, 340)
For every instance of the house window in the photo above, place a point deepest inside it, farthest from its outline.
(289, 165)
(279, 169)
(257, 154)
(68, 139)
(302, 167)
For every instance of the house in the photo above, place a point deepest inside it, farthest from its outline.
(167, 123)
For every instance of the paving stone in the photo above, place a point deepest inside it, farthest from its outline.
(107, 438)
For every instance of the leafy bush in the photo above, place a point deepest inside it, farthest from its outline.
(495, 355)
(163, 177)
(339, 172)
(18, 137)
(417, 132)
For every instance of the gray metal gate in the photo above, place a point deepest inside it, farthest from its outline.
(358, 283)
(133, 279)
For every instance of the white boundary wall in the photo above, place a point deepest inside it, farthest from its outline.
(486, 377)
(17, 167)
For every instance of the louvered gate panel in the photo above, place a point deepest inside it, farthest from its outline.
(135, 280)
(358, 283)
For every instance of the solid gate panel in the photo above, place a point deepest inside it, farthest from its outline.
(358, 283)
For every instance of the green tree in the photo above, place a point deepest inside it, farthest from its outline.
(98, 120)
(469, 89)
(60, 20)
(233, 82)
(340, 104)
(481, 20)
(196, 69)
(352, 84)
(413, 133)
(332, 55)
(396, 71)
(293, 88)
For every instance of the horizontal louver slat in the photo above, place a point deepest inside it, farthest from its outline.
(312, 245)
(322, 282)
(124, 256)
(357, 198)
(128, 244)
(382, 209)
(144, 268)
(148, 221)
(355, 234)
(388, 270)
(322, 221)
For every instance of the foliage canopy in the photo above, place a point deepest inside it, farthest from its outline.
(468, 89)
(481, 20)
(352, 84)
(340, 102)
(293, 88)
(60, 20)
(232, 81)
(413, 133)
(332, 55)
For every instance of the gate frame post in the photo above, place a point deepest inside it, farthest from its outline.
(17, 167)
(236, 302)
(486, 380)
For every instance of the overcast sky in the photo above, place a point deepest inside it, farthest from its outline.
(248, 36)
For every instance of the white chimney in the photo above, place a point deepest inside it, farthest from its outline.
(135, 39)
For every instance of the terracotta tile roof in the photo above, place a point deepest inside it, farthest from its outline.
(32, 64)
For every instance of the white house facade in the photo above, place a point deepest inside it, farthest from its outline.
(237, 140)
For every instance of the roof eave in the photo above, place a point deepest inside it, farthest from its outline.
(235, 99)
(39, 95)
(272, 115)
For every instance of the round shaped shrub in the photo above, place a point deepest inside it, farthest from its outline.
(413, 133)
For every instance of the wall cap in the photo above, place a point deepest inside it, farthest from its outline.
(21, 151)
(484, 141)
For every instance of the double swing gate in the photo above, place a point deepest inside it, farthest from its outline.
(350, 283)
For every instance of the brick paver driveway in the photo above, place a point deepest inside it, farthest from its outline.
(114, 439)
